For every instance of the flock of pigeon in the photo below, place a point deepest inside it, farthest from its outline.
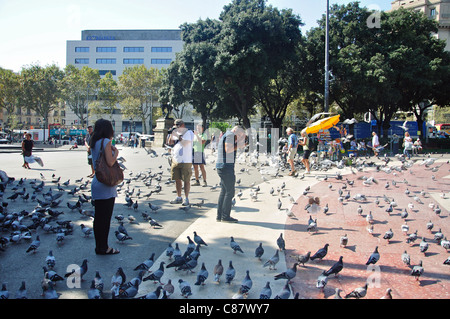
(47, 218)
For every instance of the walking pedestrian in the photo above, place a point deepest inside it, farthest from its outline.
(87, 140)
(292, 148)
(181, 168)
(103, 196)
(27, 149)
(226, 157)
(199, 155)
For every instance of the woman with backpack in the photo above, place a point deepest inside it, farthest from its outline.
(306, 150)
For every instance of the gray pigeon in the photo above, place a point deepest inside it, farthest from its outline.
(272, 261)
(50, 292)
(22, 292)
(147, 264)
(281, 243)
(388, 235)
(235, 246)
(198, 240)
(302, 259)
(288, 274)
(417, 270)
(374, 257)
(336, 268)
(122, 237)
(94, 293)
(185, 288)
(131, 291)
(266, 292)
(157, 274)
(4, 292)
(34, 245)
(230, 273)
(259, 251)
(321, 253)
(423, 245)
(358, 293)
(246, 284)
(153, 294)
(322, 281)
(406, 258)
(202, 276)
(285, 293)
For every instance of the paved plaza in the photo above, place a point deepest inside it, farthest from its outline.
(260, 222)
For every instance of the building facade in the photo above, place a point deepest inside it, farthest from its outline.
(115, 50)
(434, 9)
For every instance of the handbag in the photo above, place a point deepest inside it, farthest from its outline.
(105, 174)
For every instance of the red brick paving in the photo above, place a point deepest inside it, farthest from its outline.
(389, 272)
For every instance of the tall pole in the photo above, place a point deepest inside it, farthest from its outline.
(327, 59)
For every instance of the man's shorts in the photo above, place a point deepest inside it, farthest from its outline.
(306, 154)
(181, 171)
(291, 153)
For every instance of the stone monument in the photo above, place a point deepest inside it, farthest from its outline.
(163, 125)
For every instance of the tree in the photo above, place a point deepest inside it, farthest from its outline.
(253, 44)
(107, 97)
(9, 93)
(139, 88)
(41, 89)
(78, 89)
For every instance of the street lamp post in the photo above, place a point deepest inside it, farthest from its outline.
(327, 59)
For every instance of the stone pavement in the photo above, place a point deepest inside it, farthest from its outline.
(260, 221)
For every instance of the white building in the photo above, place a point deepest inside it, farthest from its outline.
(114, 50)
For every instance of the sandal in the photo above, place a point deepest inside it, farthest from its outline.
(109, 251)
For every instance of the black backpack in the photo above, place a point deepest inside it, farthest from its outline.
(311, 144)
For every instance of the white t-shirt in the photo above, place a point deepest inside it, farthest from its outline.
(375, 141)
(183, 154)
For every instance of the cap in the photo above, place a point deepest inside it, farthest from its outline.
(179, 122)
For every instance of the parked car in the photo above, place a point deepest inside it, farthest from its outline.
(4, 138)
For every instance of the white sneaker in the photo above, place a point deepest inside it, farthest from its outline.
(186, 202)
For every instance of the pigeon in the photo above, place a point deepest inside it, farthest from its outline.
(122, 237)
(272, 261)
(117, 280)
(86, 230)
(417, 270)
(285, 292)
(406, 258)
(185, 288)
(34, 245)
(157, 274)
(235, 246)
(202, 276)
(343, 241)
(78, 272)
(153, 294)
(93, 292)
(4, 293)
(52, 275)
(374, 257)
(358, 293)
(147, 264)
(266, 292)
(198, 240)
(168, 288)
(289, 274)
(22, 292)
(321, 253)
(302, 259)
(312, 226)
(218, 271)
(388, 294)
(50, 260)
(388, 235)
(322, 281)
(259, 251)
(445, 243)
(230, 273)
(336, 268)
(121, 228)
(337, 294)
(281, 243)
(447, 261)
(131, 291)
(423, 245)
(247, 283)
(412, 237)
(50, 292)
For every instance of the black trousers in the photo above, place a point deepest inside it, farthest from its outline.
(102, 222)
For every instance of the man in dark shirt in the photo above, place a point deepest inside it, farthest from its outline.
(226, 157)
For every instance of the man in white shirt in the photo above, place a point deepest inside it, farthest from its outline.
(181, 169)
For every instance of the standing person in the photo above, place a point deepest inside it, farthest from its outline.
(87, 140)
(306, 151)
(27, 149)
(408, 145)
(375, 143)
(226, 156)
(181, 169)
(103, 196)
(292, 148)
(395, 142)
(199, 155)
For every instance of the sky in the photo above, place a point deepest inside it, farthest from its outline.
(35, 32)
